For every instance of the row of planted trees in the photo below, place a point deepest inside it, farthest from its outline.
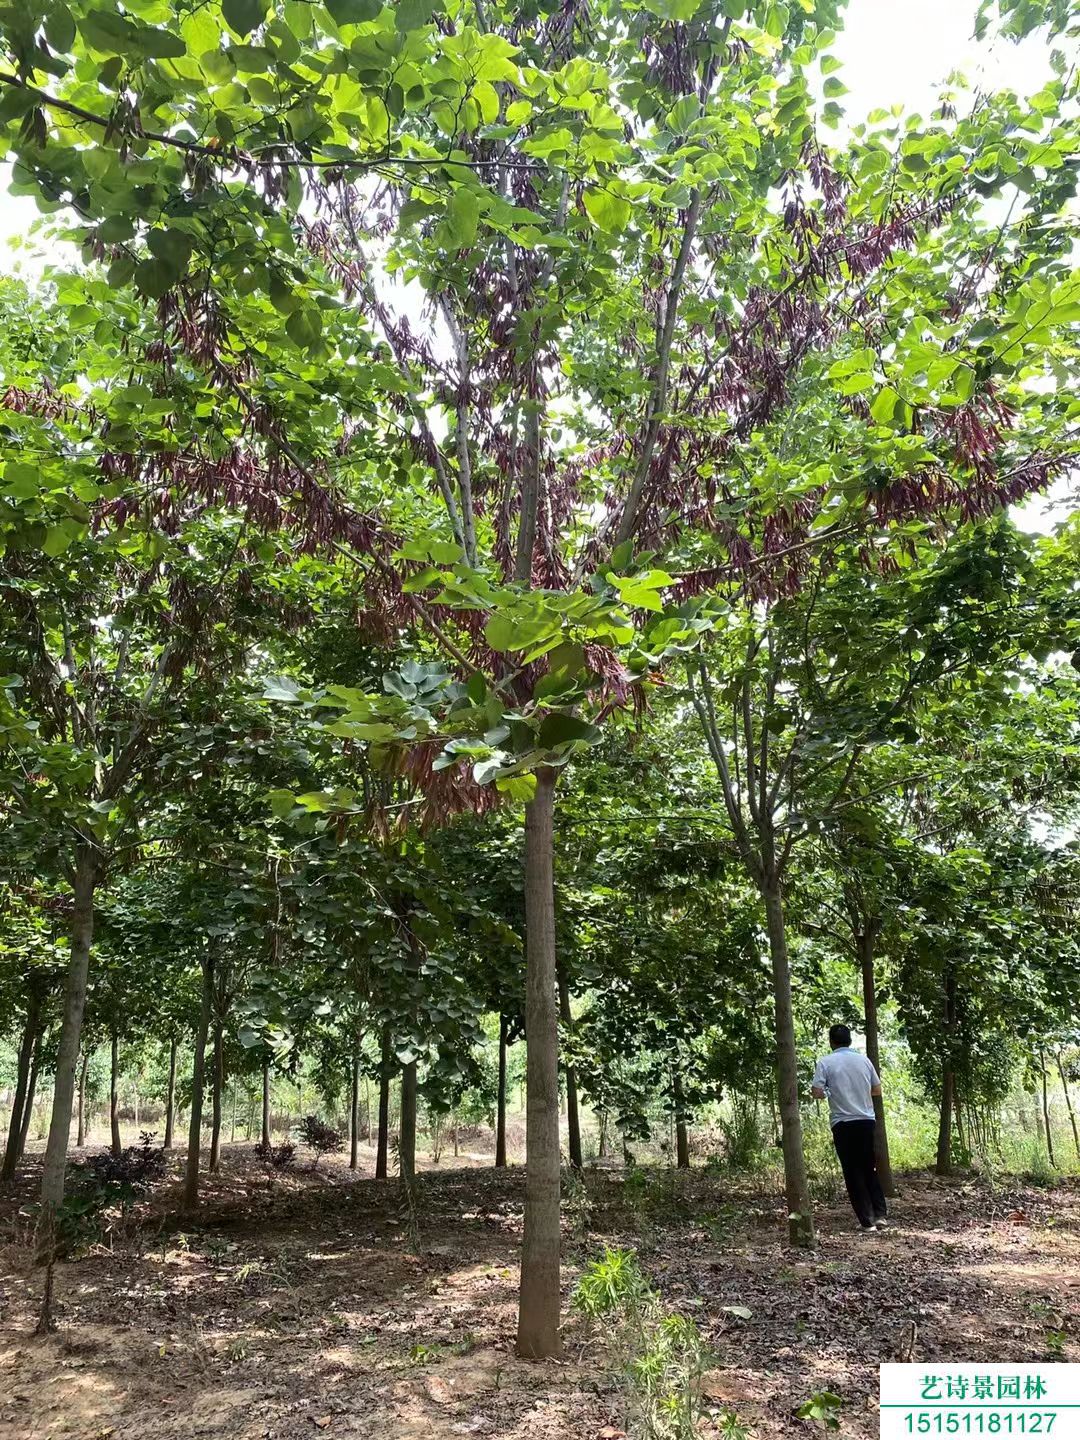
(441, 385)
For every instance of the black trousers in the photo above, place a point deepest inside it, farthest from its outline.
(854, 1141)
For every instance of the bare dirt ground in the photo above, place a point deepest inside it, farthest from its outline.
(320, 1304)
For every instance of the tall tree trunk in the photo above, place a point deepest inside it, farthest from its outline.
(943, 1165)
(1046, 1111)
(354, 1110)
(573, 1124)
(198, 1086)
(265, 1127)
(217, 1086)
(28, 1108)
(170, 1095)
(538, 1309)
(117, 1145)
(82, 937)
(27, 1046)
(603, 1143)
(500, 1100)
(407, 1128)
(382, 1154)
(1068, 1103)
(948, 1080)
(80, 1134)
(682, 1136)
(865, 942)
(796, 1186)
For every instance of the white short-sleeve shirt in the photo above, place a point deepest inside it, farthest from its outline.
(847, 1078)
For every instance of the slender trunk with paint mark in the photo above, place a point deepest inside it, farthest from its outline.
(1068, 1104)
(943, 1165)
(1046, 1111)
(796, 1184)
(80, 1134)
(865, 942)
(573, 1124)
(682, 1134)
(82, 937)
(27, 1046)
(407, 1127)
(382, 1154)
(354, 1111)
(28, 1108)
(538, 1306)
(198, 1086)
(114, 1095)
(265, 1126)
(217, 1085)
(500, 1100)
(170, 1096)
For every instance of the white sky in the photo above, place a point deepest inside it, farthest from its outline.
(894, 52)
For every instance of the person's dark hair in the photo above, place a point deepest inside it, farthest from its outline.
(839, 1036)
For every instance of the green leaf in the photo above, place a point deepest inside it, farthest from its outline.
(884, 405)
(20, 481)
(462, 217)
(517, 787)
(60, 29)
(243, 16)
(560, 729)
(681, 10)
(609, 212)
(412, 14)
(353, 12)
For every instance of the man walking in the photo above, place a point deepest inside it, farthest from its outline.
(850, 1082)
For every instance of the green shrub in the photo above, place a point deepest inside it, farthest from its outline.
(659, 1354)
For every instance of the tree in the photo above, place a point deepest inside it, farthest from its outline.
(538, 167)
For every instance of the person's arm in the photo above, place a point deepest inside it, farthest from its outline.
(817, 1085)
(875, 1080)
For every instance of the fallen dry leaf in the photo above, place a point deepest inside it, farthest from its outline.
(321, 1421)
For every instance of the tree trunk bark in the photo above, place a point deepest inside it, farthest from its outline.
(354, 1111)
(382, 1154)
(1046, 1111)
(27, 1046)
(682, 1135)
(217, 1085)
(407, 1128)
(500, 1100)
(573, 1124)
(170, 1095)
(80, 1134)
(603, 1143)
(265, 1135)
(116, 1144)
(948, 1081)
(198, 1085)
(28, 1108)
(865, 943)
(82, 937)
(1068, 1104)
(943, 1165)
(538, 1310)
(796, 1186)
